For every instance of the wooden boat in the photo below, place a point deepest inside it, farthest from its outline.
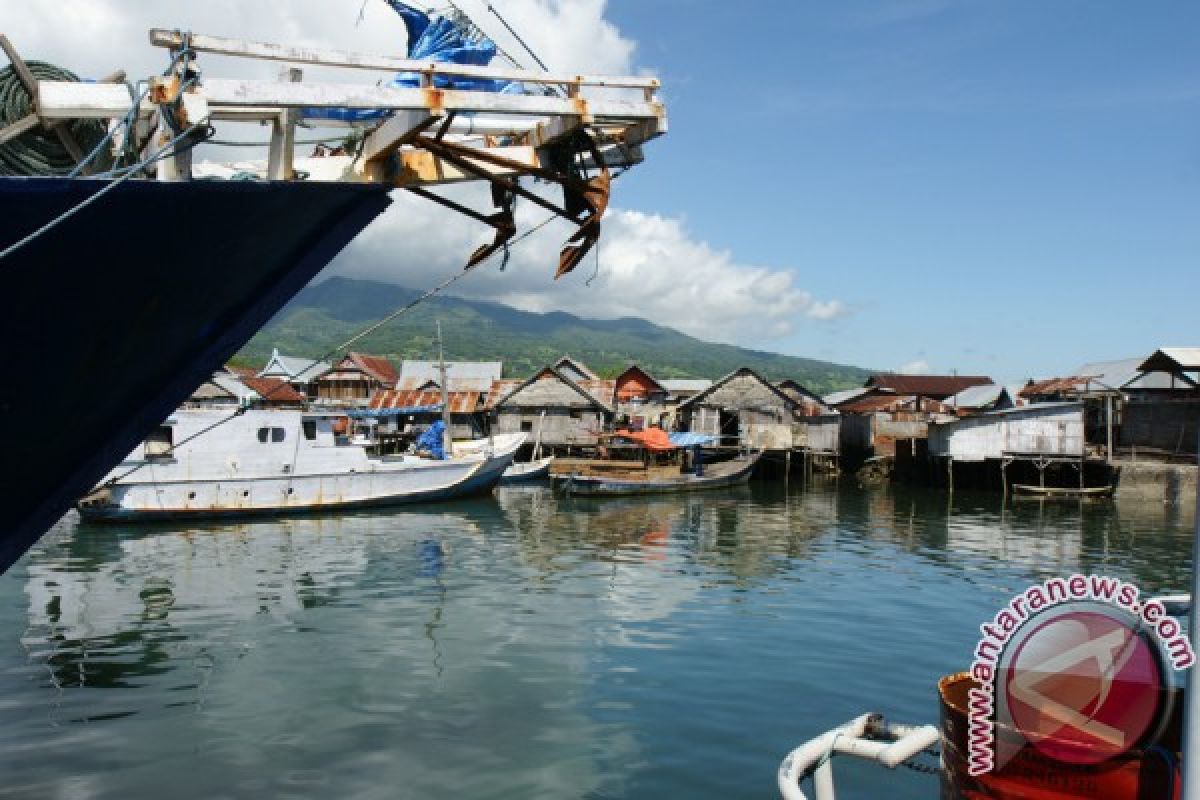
(1063, 491)
(527, 471)
(620, 478)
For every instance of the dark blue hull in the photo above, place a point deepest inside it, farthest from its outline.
(111, 319)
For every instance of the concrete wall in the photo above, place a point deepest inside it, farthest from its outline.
(1164, 483)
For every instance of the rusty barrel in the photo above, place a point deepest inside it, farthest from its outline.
(1140, 774)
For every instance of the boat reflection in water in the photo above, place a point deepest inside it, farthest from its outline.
(524, 644)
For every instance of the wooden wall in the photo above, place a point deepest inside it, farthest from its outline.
(559, 426)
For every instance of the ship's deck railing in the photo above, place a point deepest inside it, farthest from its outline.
(867, 736)
(514, 131)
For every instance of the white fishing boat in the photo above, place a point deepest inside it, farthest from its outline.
(536, 469)
(207, 463)
(527, 471)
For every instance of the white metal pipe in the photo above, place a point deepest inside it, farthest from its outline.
(800, 761)
(909, 741)
(823, 781)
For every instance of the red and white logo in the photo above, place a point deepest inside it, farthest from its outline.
(1083, 686)
(1079, 667)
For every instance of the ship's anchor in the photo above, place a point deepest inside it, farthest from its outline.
(585, 199)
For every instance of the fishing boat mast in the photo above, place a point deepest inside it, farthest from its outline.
(447, 439)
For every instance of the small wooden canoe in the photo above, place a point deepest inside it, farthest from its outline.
(656, 481)
(1063, 491)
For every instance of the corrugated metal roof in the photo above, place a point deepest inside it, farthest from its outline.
(575, 367)
(500, 390)
(274, 391)
(1074, 383)
(976, 397)
(377, 367)
(686, 384)
(1169, 359)
(1032, 409)
(460, 402)
(928, 385)
(294, 368)
(1125, 373)
(845, 395)
(891, 402)
(479, 371)
(453, 384)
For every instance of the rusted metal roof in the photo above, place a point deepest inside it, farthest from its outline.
(891, 402)
(376, 367)
(460, 402)
(500, 390)
(272, 390)
(936, 386)
(1074, 383)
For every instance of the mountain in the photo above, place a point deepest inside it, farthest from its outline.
(326, 314)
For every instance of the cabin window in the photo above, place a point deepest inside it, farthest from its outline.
(310, 429)
(270, 434)
(159, 442)
(526, 426)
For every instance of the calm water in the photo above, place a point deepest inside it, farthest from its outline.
(525, 646)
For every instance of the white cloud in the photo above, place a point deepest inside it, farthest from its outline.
(916, 367)
(650, 265)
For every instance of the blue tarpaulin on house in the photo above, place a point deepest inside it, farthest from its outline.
(436, 38)
(691, 439)
(399, 411)
(432, 440)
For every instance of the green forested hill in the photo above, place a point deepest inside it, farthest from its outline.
(321, 316)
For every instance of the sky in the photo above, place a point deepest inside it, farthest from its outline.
(1008, 189)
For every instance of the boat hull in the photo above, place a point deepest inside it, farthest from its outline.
(1062, 491)
(124, 308)
(588, 485)
(301, 494)
(531, 472)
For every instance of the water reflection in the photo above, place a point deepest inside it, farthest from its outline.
(529, 645)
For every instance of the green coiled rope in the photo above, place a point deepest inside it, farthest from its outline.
(39, 151)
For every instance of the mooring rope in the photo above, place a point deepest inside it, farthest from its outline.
(454, 278)
(39, 151)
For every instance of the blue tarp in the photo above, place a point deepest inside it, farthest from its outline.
(691, 439)
(432, 441)
(361, 413)
(430, 39)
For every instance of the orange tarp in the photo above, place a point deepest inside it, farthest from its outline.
(655, 439)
